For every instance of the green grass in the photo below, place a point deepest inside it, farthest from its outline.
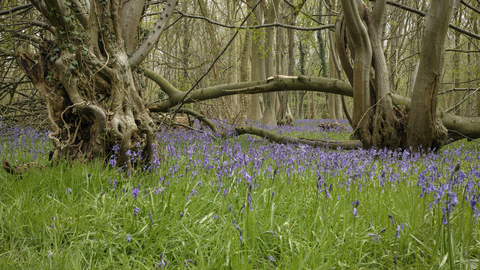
(44, 226)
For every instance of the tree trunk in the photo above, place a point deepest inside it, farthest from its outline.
(87, 78)
(270, 99)
(231, 104)
(362, 51)
(424, 130)
(258, 67)
(280, 58)
(245, 103)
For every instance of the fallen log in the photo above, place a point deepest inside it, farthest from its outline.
(350, 144)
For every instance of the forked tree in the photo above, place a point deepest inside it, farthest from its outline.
(377, 122)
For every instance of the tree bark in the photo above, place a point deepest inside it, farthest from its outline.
(362, 50)
(270, 99)
(257, 68)
(424, 130)
(88, 81)
(353, 144)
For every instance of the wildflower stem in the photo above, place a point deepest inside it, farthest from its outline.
(434, 255)
(450, 242)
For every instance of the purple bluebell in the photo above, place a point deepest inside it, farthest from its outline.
(393, 220)
(157, 190)
(116, 148)
(114, 184)
(162, 263)
(136, 210)
(113, 161)
(239, 230)
(355, 205)
(135, 192)
(473, 205)
(375, 236)
(187, 261)
(129, 237)
(271, 258)
(400, 228)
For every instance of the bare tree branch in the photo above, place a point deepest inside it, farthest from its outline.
(418, 12)
(470, 7)
(272, 84)
(153, 36)
(328, 26)
(12, 10)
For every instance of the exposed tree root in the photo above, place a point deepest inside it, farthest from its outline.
(284, 139)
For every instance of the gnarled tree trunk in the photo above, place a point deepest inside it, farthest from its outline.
(87, 77)
(375, 120)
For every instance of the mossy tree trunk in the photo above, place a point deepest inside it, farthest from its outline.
(88, 78)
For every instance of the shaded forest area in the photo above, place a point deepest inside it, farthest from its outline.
(100, 73)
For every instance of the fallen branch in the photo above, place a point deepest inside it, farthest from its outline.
(200, 117)
(284, 139)
(20, 168)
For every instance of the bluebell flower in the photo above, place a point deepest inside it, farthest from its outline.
(271, 258)
(114, 184)
(116, 148)
(129, 238)
(239, 230)
(355, 212)
(393, 220)
(375, 236)
(162, 263)
(135, 192)
(136, 210)
(355, 205)
(113, 161)
(400, 228)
